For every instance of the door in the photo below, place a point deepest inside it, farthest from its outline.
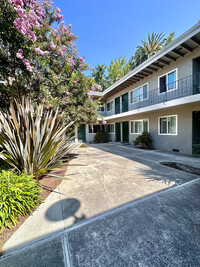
(118, 132)
(125, 102)
(196, 132)
(125, 131)
(196, 75)
(81, 133)
(117, 105)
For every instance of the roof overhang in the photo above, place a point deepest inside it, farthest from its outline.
(178, 48)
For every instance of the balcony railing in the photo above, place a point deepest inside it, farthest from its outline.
(181, 88)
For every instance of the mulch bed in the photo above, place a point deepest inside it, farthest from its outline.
(182, 167)
(49, 184)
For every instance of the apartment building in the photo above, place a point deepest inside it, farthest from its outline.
(161, 96)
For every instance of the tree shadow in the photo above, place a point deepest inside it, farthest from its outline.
(67, 207)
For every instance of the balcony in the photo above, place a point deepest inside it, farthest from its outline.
(181, 88)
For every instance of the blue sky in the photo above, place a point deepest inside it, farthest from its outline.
(109, 29)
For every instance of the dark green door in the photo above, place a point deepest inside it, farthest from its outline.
(196, 132)
(117, 132)
(125, 131)
(117, 105)
(125, 102)
(81, 133)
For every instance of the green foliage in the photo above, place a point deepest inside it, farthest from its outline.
(33, 140)
(101, 137)
(155, 42)
(19, 194)
(83, 145)
(99, 75)
(144, 140)
(108, 75)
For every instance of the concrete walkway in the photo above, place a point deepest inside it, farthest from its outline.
(113, 212)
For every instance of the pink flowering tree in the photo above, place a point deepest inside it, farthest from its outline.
(41, 61)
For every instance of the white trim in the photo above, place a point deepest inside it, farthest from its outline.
(163, 105)
(166, 75)
(142, 120)
(136, 89)
(168, 48)
(113, 105)
(113, 127)
(168, 116)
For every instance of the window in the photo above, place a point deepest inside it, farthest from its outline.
(139, 126)
(95, 128)
(168, 125)
(101, 107)
(139, 94)
(168, 81)
(110, 105)
(111, 128)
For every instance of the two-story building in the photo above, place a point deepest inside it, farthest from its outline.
(161, 96)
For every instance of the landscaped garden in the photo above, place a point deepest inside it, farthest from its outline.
(44, 93)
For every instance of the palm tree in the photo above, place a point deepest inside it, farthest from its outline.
(155, 42)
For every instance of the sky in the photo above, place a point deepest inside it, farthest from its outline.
(108, 29)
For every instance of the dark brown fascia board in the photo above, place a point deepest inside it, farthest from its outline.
(178, 52)
(194, 39)
(187, 47)
(163, 61)
(170, 57)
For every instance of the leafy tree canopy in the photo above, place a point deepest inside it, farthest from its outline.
(41, 61)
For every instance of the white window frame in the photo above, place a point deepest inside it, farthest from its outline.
(113, 105)
(142, 120)
(166, 74)
(138, 88)
(168, 116)
(92, 125)
(114, 128)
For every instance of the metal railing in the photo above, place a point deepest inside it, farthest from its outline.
(181, 88)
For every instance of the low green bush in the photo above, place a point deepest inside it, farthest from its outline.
(101, 137)
(83, 145)
(144, 140)
(18, 195)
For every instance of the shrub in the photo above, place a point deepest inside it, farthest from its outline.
(83, 145)
(18, 195)
(101, 137)
(144, 140)
(33, 140)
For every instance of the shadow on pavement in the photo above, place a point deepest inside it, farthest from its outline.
(69, 207)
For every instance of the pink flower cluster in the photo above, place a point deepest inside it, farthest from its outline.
(52, 46)
(57, 14)
(19, 54)
(104, 122)
(40, 52)
(27, 64)
(29, 18)
(96, 86)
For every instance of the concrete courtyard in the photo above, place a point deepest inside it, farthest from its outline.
(118, 207)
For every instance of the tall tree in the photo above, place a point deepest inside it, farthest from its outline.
(154, 43)
(99, 75)
(38, 58)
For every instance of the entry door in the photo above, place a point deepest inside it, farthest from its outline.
(117, 105)
(196, 75)
(117, 132)
(81, 133)
(125, 131)
(196, 132)
(125, 102)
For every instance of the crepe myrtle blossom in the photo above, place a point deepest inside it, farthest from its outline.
(39, 51)
(75, 82)
(52, 46)
(104, 122)
(19, 54)
(27, 64)
(67, 92)
(60, 53)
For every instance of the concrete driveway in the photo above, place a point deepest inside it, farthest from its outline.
(119, 208)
